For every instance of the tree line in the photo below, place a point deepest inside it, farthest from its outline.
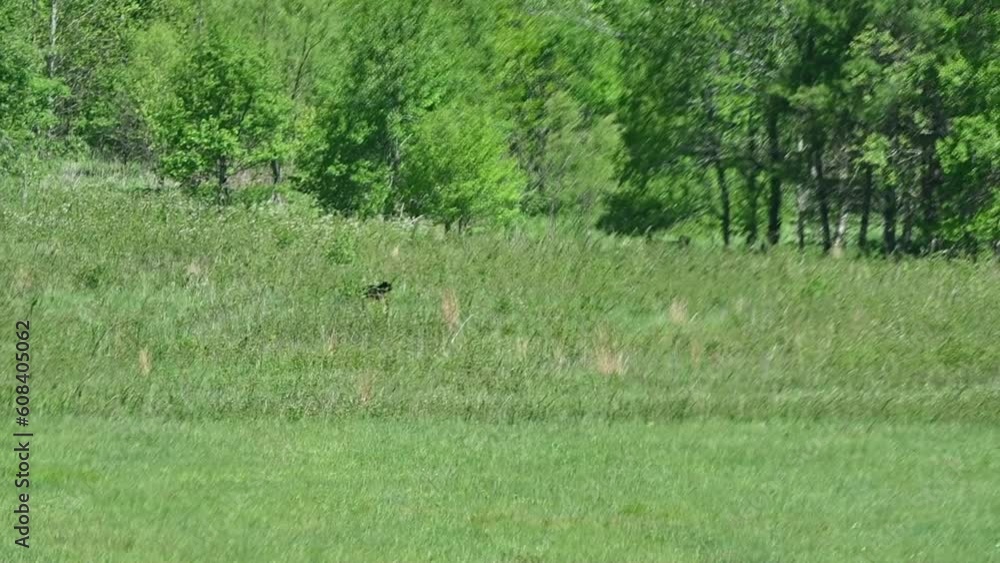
(873, 123)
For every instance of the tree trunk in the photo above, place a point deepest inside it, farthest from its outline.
(801, 204)
(933, 175)
(275, 171)
(930, 186)
(890, 206)
(750, 172)
(34, 18)
(50, 58)
(222, 175)
(774, 199)
(395, 166)
(753, 196)
(840, 238)
(819, 183)
(866, 207)
(726, 215)
(889, 212)
(906, 238)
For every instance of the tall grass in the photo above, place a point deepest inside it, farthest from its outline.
(146, 301)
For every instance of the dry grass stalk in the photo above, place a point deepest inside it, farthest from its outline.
(609, 361)
(522, 346)
(560, 357)
(145, 362)
(195, 273)
(332, 342)
(679, 312)
(697, 352)
(741, 305)
(450, 311)
(23, 280)
(366, 389)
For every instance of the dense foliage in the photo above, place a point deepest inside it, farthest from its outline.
(866, 122)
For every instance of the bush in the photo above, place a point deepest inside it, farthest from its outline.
(658, 205)
(458, 170)
(223, 114)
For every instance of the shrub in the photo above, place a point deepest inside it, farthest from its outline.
(223, 114)
(458, 169)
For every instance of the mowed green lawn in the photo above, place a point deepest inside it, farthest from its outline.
(132, 489)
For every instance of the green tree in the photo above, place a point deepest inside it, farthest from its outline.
(920, 73)
(298, 39)
(88, 47)
(17, 64)
(675, 126)
(393, 69)
(222, 115)
(579, 163)
(23, 88)
(555, 68)
(458, 170)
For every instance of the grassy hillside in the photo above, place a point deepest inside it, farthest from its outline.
(154, 303)
(209, 384)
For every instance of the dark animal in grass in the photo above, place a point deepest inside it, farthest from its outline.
(378, 291)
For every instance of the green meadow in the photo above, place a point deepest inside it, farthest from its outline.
(209, 384)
